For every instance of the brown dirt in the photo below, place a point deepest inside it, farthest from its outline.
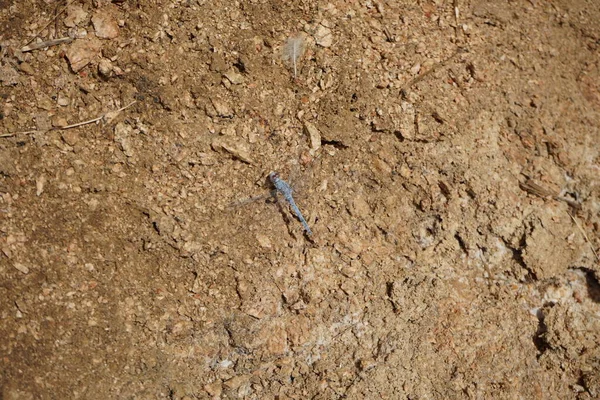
(437, 268)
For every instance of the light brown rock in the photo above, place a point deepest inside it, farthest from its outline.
(314, 136)
(82, 52)
(105, 25)
(323, 36)
(75, 15)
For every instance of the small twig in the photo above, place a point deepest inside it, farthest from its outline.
(104, 116)
(18, 133)
(107, 117)
(47, 43)
(585, 236)
(91, 121)
(48, 24)
(56, 9)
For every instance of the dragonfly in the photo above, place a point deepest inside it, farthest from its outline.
(284, 189)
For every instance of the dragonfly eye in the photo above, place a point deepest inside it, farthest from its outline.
(274, 176)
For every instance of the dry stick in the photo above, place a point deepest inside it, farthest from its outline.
(56, 15)
(16, 133)
(585, 236)
(48, 24)
(47, 43)
(61, 128)
(91, 121)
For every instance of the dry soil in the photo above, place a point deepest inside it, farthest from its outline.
(448, 159)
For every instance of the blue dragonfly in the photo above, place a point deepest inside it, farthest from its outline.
(284, 189)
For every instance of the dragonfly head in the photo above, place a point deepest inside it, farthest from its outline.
(274, 176)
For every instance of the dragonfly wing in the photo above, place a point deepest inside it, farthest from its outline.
(302, 180)
(243, 202)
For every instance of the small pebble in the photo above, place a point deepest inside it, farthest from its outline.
(27, 68)
(59, 121)
(222, 109)
(70, 137)
(82, 52)
(75, 15)
(105, 68)
(415, 69)
(39, 185)
(105, 26)
(263, 241)
(21, 267)
(233, 147)
(314, 135)
(234, 77)
(8, 75)
(237, 381)
(323, 36)
(62, 101)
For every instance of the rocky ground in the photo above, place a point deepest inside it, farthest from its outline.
(447, 159)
